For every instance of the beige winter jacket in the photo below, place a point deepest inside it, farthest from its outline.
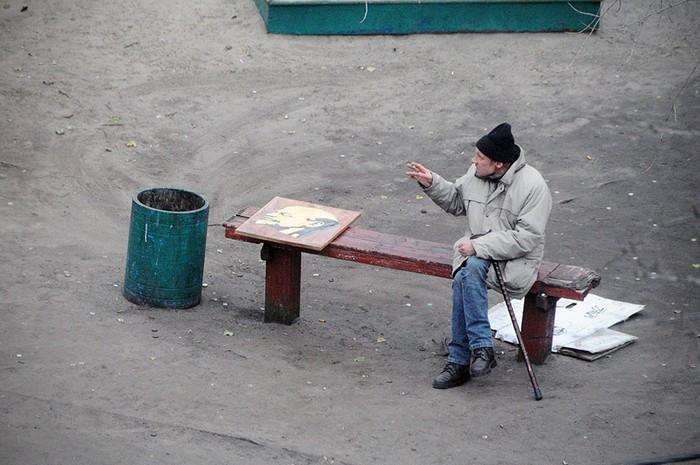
(514, 215)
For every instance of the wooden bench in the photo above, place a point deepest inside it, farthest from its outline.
(283, 275)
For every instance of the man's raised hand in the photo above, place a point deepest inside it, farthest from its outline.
(420, 173)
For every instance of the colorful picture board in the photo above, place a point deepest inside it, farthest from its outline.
(297, 223)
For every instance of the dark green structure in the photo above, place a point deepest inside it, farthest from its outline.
(167, 240)
(426, 16)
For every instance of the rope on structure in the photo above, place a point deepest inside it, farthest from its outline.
(366, 9)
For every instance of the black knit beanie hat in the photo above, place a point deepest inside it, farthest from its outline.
(499, 145)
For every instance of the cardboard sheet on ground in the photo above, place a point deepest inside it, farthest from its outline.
(581, 329)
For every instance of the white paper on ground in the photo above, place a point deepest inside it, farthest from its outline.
(576, 323)
(603, 340)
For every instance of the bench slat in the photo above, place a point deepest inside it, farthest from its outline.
(372, 248)
(571, 282)
(425, 257)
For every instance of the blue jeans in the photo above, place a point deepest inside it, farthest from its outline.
(470, 320)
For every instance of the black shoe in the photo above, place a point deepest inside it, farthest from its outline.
(452, 375)
(482, 361)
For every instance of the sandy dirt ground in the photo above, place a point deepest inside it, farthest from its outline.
(101, 99)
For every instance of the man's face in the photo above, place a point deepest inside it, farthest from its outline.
(485, 167)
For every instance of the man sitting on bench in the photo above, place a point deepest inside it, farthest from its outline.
(507, 205)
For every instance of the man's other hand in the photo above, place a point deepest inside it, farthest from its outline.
(465, 248)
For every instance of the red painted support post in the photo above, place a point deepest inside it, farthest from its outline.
(282, 284)
(538, 326)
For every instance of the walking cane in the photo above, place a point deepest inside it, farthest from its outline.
(506, 297)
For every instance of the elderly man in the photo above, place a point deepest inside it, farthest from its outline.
(507, 204)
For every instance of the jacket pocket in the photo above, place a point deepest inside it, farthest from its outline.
(500, 219)
(475, 206)
(520, 274)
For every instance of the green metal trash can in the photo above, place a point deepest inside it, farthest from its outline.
(167, 241)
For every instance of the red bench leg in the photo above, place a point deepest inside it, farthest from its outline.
(282, 284)
(538, 326)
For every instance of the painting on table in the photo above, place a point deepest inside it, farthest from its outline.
(297, 223)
